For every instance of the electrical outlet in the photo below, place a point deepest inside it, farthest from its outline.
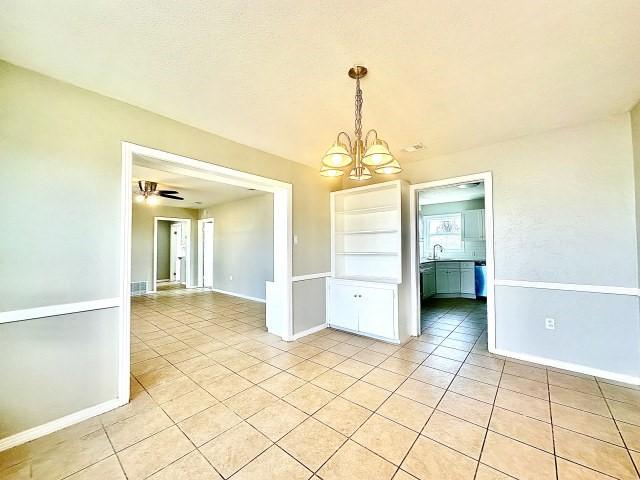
(230, 277)
(295, 239)
(550, 323)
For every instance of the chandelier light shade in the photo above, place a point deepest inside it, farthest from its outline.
(360, 173)
(364, 153)
(337, 156)
(377, 154)
(389, 169)
(330, 172)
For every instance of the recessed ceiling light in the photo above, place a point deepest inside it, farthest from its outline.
(414, 148)
(468, 185)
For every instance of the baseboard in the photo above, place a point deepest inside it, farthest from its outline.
(240, 295)
(368, 335)
(573, 367)
(164, 280)
(58, 424)
(306, 332)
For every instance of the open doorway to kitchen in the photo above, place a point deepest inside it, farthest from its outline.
(452, 260)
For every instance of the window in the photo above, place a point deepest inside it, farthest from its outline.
(444, 230)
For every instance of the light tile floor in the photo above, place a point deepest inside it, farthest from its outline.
(215, 396)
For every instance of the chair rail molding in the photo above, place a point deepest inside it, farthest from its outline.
(570, 287)
(57, 310)
(310, 276)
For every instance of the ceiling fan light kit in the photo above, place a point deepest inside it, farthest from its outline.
(149, 193)
(373, 153)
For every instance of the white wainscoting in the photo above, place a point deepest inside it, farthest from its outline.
(73, 418)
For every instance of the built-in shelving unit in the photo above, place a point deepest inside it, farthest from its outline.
(367, 259)
(367, 232)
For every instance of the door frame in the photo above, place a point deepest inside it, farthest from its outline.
(201, 222)
(279, 292)
(187, 265)
(487, 178)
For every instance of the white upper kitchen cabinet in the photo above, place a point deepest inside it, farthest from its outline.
(473, 224)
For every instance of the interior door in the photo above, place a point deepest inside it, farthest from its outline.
(344, 306)
(376, 312)
(207, 254)
(175, 251)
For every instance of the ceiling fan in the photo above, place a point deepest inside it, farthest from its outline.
(149, 193)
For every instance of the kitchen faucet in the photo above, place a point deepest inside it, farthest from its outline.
(434, 250)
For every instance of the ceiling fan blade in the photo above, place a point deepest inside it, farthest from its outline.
(170, 192)
(164, 195)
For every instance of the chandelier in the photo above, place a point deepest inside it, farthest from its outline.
(372, 152)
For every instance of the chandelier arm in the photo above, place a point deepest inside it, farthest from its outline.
(366, 138)
(348, 140)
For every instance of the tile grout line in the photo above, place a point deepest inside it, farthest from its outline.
(553, 433)
(615, 422)
(486, 433)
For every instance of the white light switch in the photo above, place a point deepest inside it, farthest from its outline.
(295, 239)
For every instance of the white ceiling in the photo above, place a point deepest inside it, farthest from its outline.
(450, 194)
(272, 73)
(192, 189)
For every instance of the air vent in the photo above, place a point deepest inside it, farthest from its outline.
(414, 148)
(138, 288)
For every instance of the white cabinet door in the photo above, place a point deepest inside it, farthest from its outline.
(442, 281)
(467, 281)
(425, 285)
(343, 309)
(377, 312)
(431, 284)
(473, 224)
(454, 281)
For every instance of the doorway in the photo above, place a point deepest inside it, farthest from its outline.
(205, 252)
(279, 319)
(173, 255)
(452, 262)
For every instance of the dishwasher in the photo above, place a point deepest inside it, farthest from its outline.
(481, 279)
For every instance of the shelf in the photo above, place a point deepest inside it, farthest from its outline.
(368, 278)
(365, 232)
(361, 211)
(390, 254)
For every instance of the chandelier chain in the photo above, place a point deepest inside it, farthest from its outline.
(359, 102)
